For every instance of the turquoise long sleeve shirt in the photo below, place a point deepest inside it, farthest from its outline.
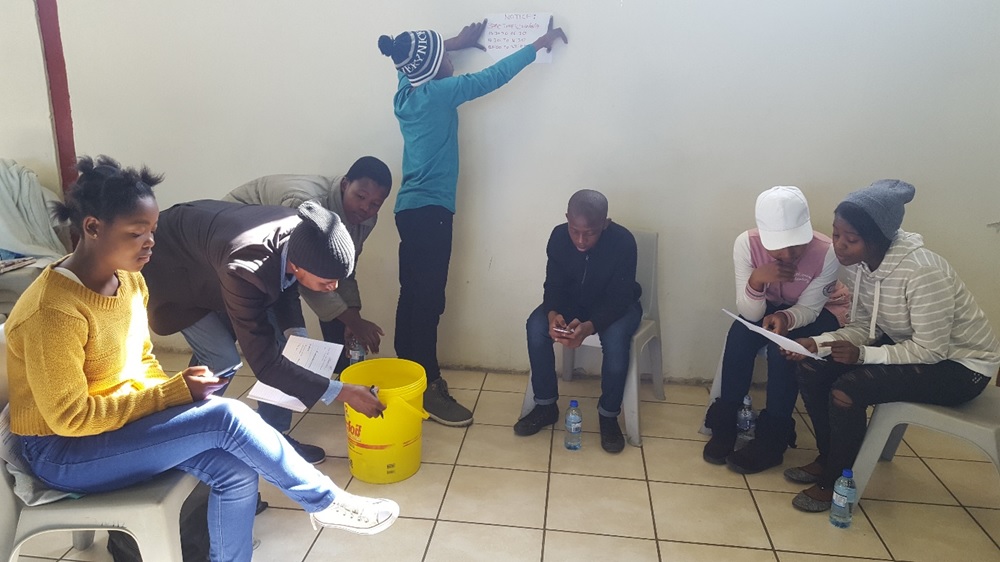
(428, 120)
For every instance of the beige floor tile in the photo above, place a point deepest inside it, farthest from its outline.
(441, 443)
(496, 446)
(920, 532)
(418, 496)
(495, 496)
(773, 479)
(908, 479)
(989, 519)
(337, 468)
(684, 552)
(575, 547)
(680, 461)
(285, 534)
(405, 541)
(592, 460)
(498, 408)
(22, 558)
(506, 382)
(706, 514)
(679, 421)
(469, 380)
(607, 506)
(799, 557)
(929, 443)
(795, 531)
(486, 543)
(975, 484)
(686, 394)
(52, 545)
(98, 552)
(323, 430)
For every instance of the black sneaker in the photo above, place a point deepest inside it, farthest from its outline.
(312, 453)
(539, 417)
(261, 504)
(444, 409)
(612, 439)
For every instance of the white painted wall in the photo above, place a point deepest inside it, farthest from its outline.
(25, 117)
(680, 111)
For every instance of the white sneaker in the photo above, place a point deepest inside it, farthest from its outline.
(357, 514)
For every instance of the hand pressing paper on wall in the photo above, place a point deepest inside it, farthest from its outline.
(506, 33)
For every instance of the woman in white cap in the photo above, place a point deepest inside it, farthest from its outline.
(916, 335)
(786, 281)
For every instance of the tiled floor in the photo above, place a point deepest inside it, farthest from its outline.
(484, 494)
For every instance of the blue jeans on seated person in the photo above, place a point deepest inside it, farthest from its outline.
(214, 344)
(221, 442)
(616, 343)
(742, 346)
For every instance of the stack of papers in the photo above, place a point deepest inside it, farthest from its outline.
(317, 356)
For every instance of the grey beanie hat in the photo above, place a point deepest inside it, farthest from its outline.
(883, 201)
(320, 243)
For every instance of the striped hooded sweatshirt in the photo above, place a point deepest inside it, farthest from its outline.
(918, 300)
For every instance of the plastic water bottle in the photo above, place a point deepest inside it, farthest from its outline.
(845, 495)
(745, 419)
(355, 351)
(574, 427)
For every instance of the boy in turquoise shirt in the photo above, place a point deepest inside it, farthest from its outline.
(426, 105)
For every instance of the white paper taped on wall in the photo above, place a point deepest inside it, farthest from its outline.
(506, 33)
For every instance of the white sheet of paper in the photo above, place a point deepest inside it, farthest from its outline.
(506, 33)
(782, 341)
(317, 356)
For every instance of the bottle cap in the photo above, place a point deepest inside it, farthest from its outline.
(848, 473)
(746, 400)
(573, 404)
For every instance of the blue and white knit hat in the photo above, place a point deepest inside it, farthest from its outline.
(417, 54)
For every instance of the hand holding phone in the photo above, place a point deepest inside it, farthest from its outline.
(562, 330)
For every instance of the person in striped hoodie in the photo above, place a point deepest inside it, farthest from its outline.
(915, 334)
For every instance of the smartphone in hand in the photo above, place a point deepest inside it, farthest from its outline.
(228, 372)
(559, 330)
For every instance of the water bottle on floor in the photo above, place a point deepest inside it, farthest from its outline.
(355, 351)
(745, 420)
(845, 495)
(574, 427)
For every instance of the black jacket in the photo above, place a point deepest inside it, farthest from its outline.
(597, 285)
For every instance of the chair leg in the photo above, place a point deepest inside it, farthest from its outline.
(569, 362)
(657, 354)
(891, 444)
(82, 540)
(630, 402)
(159, 537)
(880, 432)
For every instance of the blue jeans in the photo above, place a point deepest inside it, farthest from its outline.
(214, 345)
(782, 386)
(220, 441)
(616, 343)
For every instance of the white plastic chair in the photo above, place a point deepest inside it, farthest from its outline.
(977, 421)
(646, 339)
(150, 511)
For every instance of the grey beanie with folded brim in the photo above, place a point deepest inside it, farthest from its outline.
(320, 244)
(883, 201)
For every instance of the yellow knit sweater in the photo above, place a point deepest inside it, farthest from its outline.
(80, 363)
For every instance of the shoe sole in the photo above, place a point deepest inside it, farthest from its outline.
(802, 502)
(713, 460)
(449, 423)
(743, 470)
(613, 450)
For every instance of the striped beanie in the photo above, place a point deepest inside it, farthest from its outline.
(417, 54)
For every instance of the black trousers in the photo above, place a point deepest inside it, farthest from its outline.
(840, 430)
(424, 255)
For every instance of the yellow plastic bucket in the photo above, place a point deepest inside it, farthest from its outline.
(386, 449)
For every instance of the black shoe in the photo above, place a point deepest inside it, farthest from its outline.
(261, 505)
(311, 453)
(612, 439)
(767, 449)
(721, 419)
(539, 417)
(443, 408)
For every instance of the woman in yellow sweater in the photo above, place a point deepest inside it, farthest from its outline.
(94, 408)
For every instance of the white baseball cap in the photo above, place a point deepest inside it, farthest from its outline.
(783, 218)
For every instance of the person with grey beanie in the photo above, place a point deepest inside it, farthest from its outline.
(915, 334)
(225, 273)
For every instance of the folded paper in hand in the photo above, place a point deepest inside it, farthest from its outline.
(782, 341)
(317, 356)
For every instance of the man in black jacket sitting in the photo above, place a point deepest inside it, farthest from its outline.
(590, 288)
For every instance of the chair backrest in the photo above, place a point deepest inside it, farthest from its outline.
(647, 245)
